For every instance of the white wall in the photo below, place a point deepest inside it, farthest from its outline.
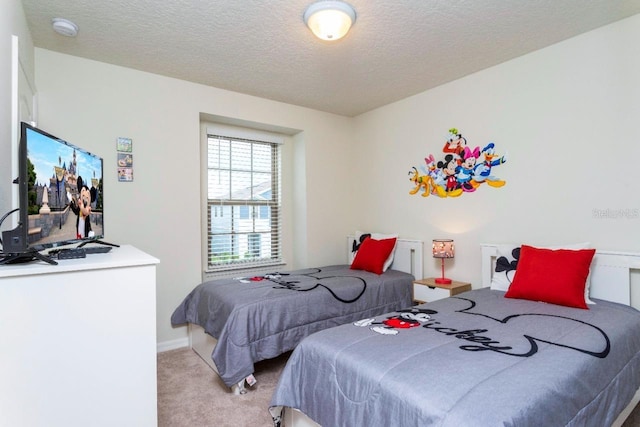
(564, 114)
(567, 116)
(90, 104)
(12, 22)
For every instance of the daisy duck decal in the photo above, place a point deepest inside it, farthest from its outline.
(461, 169)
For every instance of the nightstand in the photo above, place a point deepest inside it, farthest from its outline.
(427, 290)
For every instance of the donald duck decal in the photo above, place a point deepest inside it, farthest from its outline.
(462, 170)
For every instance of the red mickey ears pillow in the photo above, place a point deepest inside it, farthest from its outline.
(372, 255)
(553, 276)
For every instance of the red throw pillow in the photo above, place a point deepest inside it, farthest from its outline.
(553, 276)
(372, 255)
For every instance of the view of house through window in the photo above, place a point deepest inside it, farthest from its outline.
(243, 203)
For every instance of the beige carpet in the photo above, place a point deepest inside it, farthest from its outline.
(191, 394)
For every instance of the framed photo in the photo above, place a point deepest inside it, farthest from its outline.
(125, 174)
(124, 145)
(125, 160)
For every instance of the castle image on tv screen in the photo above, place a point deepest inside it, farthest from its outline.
(65, 198)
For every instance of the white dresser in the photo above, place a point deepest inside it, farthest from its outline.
(78, 341)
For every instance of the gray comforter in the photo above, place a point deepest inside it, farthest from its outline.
(258, 320)
(477, 359)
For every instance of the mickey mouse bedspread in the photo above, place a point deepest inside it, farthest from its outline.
(257, 318)
(477, 359)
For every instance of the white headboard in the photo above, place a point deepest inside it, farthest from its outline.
(610, 273)
(408, 256)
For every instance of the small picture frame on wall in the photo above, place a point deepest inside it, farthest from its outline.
(125, 174)
(125, 167)
(125, 160)
(124, 145)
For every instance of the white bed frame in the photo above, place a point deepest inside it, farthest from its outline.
(611, 274)
(408, 258)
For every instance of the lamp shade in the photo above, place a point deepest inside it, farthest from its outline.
(329, 20)
(443, 248)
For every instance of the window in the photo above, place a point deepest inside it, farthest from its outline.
(243, 203)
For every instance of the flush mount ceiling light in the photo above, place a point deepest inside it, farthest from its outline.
(64, 27)
(329, 20)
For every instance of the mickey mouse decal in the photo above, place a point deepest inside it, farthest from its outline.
(82, 208)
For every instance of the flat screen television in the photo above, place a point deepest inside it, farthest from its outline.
(61, 196)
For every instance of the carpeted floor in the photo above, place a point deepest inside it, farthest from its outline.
(191, 394)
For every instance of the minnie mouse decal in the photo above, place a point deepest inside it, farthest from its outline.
(82, 208)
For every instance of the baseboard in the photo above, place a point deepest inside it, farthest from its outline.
(172, 344)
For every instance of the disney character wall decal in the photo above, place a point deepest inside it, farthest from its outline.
(463, 169)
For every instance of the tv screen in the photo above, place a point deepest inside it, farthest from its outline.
(65, 198)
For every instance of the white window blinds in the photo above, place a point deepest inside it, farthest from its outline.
(243, 203)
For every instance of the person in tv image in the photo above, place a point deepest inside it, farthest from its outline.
(82, 208)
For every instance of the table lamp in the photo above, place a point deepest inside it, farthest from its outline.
(443, 248)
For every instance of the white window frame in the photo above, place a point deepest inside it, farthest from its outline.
(275, 205)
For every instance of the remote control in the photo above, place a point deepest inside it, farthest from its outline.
(72, 253)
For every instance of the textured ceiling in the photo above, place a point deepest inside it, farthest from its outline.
(397, 48)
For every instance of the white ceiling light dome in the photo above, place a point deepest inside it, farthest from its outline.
(64, 27)
(329, 19)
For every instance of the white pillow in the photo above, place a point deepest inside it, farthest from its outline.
(376, 236)
(506, 263)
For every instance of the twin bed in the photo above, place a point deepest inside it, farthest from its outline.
(234, 323)
(479, 358)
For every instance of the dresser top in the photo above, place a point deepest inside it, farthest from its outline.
(123, 256)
